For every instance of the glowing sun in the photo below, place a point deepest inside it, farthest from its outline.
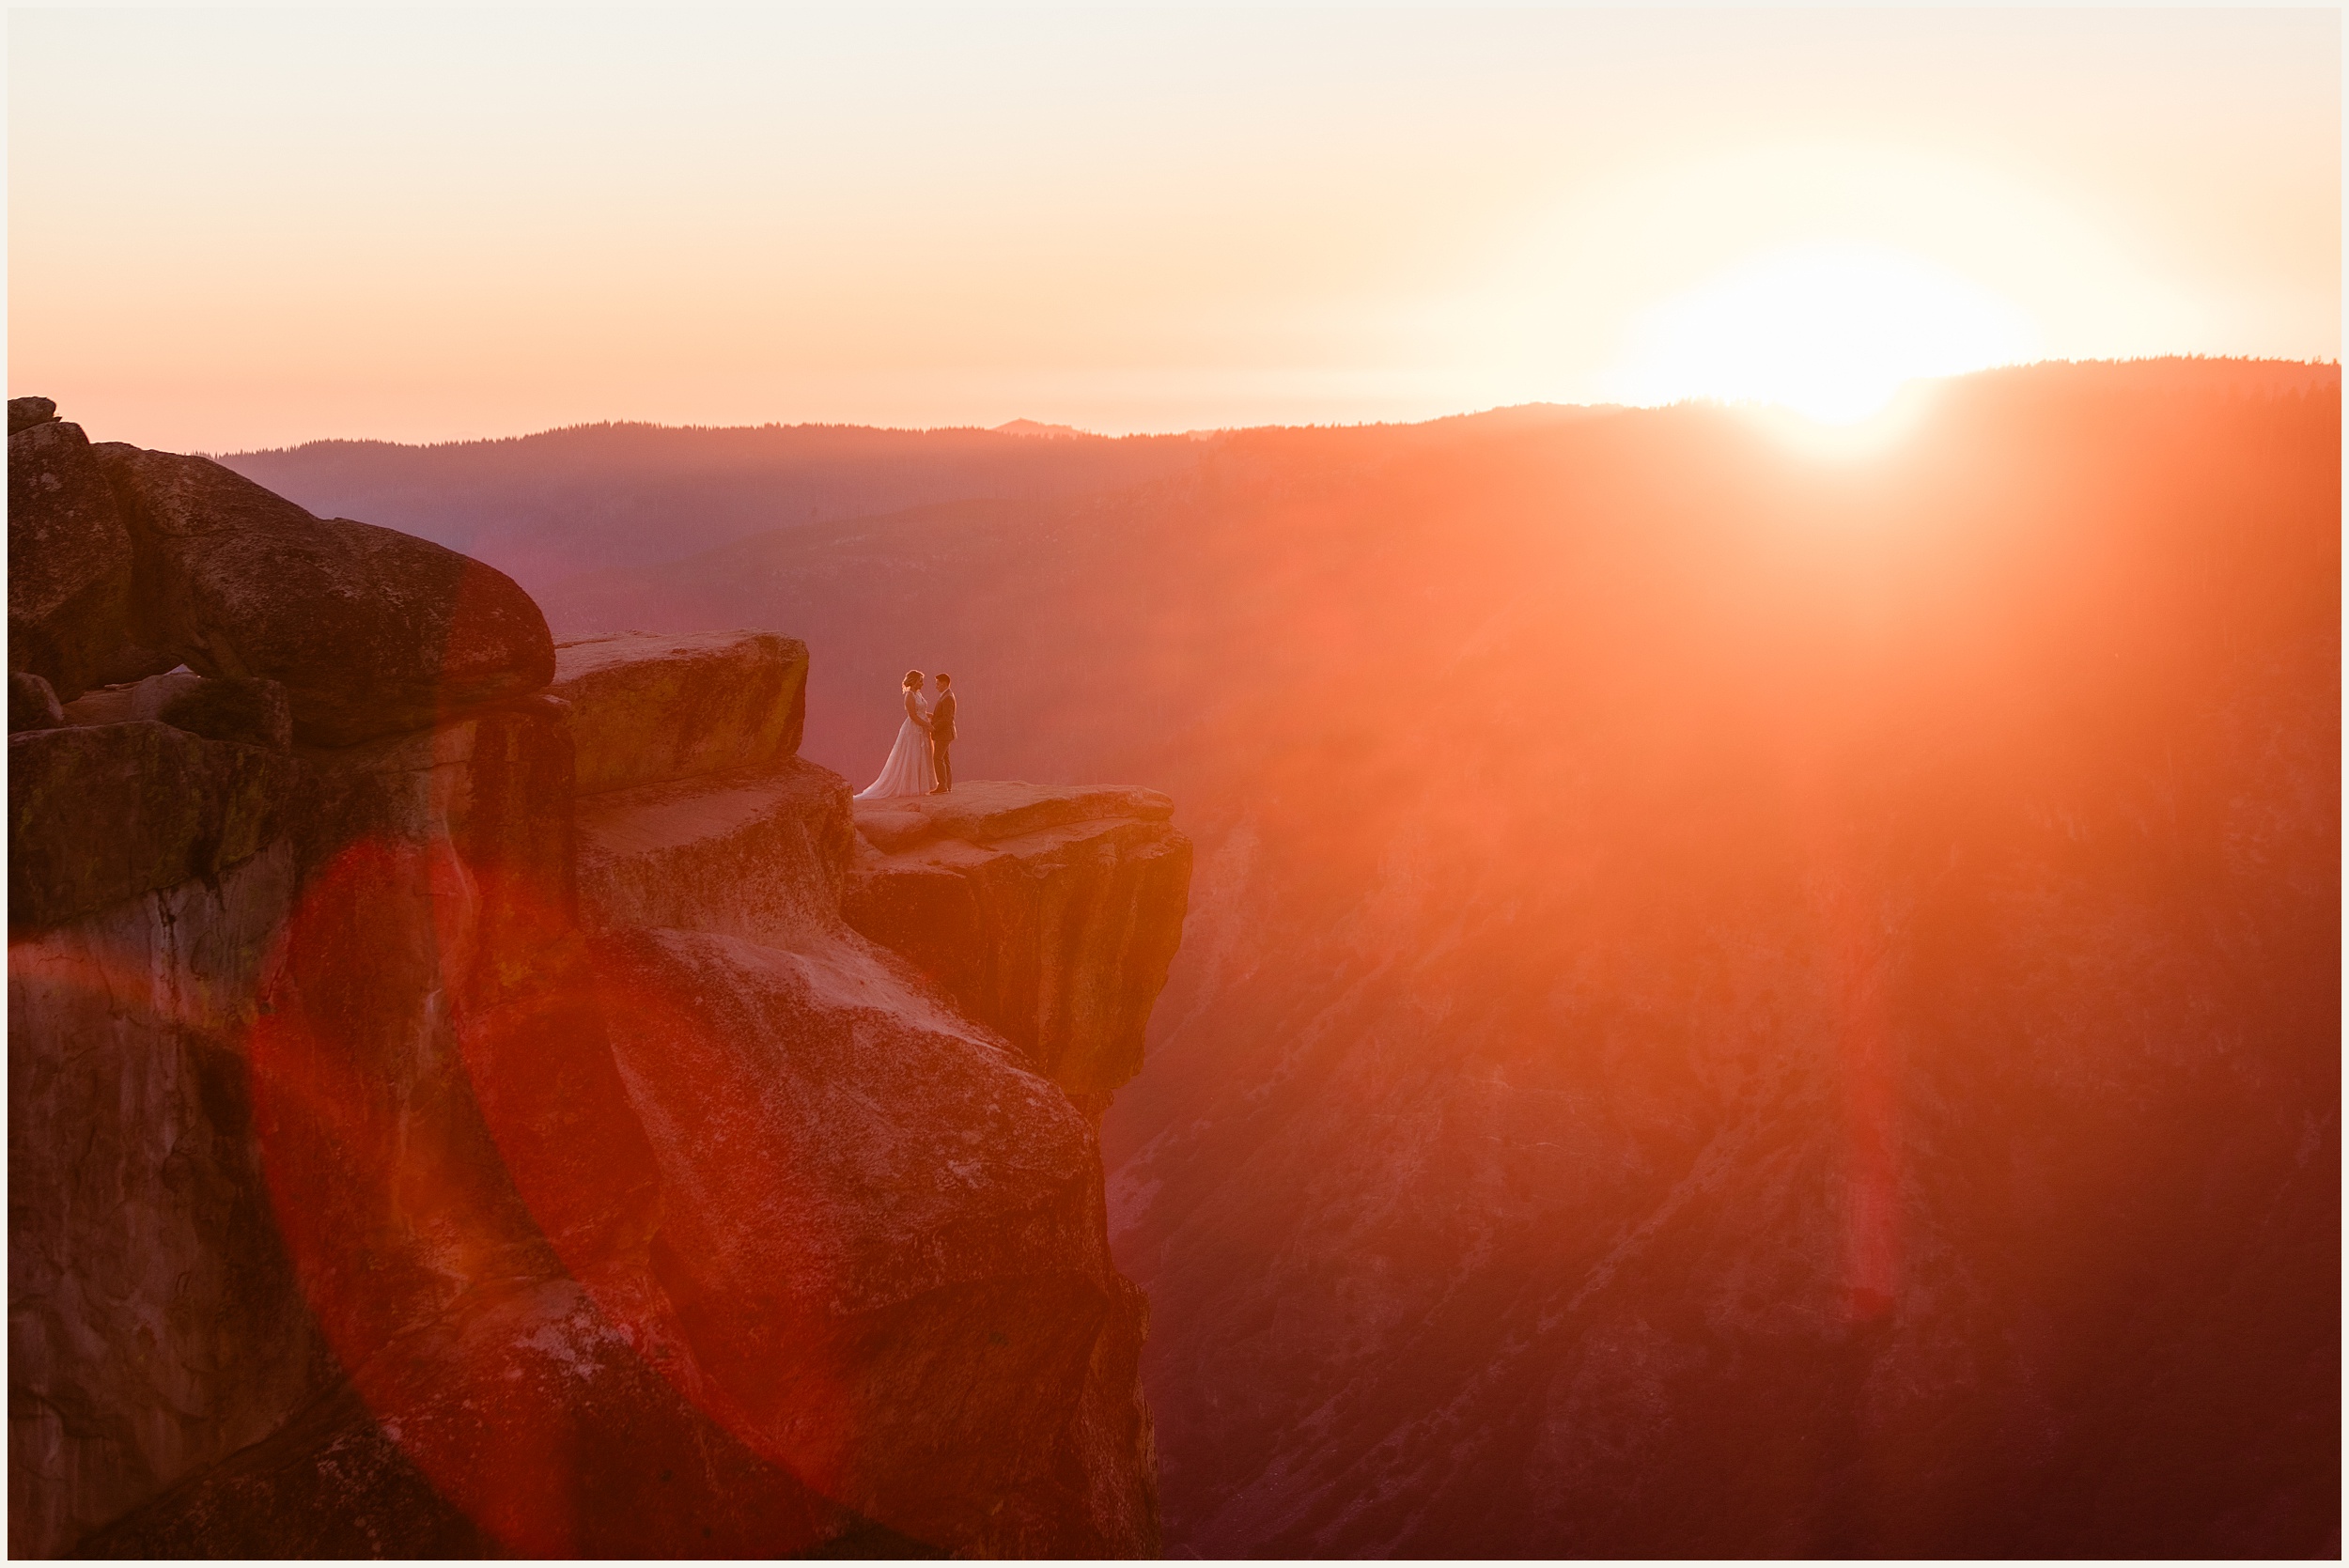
(1829, 332)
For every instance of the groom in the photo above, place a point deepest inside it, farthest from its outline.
(942, 733)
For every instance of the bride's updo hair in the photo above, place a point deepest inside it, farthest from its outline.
(913, 678)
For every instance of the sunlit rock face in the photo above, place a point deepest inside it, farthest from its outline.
(651, 709)
(758, 855)
(885, 1241)
(695, 811)
(1050, 914)
(407, 1160)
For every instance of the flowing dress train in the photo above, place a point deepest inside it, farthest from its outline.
(907, 771)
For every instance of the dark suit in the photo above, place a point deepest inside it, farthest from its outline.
(942, 736)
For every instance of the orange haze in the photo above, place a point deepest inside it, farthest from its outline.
(237, 229)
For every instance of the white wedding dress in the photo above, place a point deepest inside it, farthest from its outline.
(907, 771)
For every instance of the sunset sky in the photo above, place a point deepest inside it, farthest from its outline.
(235, 229)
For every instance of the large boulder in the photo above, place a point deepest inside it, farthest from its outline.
(371, 632)
(646, 709)
(98, 813)
(1048, 914)
(26, 413)
(70, 560)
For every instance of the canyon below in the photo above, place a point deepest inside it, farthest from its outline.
(1719, 998)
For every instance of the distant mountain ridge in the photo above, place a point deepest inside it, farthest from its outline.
(1043, 432)
(544, 506)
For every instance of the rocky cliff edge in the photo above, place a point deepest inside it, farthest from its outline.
(472, 1097)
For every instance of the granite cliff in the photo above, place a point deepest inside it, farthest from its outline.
(473, 1096)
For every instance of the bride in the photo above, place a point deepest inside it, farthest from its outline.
(907, 771)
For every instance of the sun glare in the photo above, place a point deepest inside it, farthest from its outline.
(1828, 332)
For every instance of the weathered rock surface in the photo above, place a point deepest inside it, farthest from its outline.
(154, 1322)
(104, 812)
(649, 709)
(124, 702)
(1051, 915)
(988, 811)
(756, 855)
(70, 559)
(372, 632)
(886, 1241)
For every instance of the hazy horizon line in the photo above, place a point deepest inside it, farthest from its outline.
(1196, 432)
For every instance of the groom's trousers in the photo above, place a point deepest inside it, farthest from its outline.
(942, 761)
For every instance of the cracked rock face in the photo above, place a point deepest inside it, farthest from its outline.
(525, 1372)
(250, 712)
